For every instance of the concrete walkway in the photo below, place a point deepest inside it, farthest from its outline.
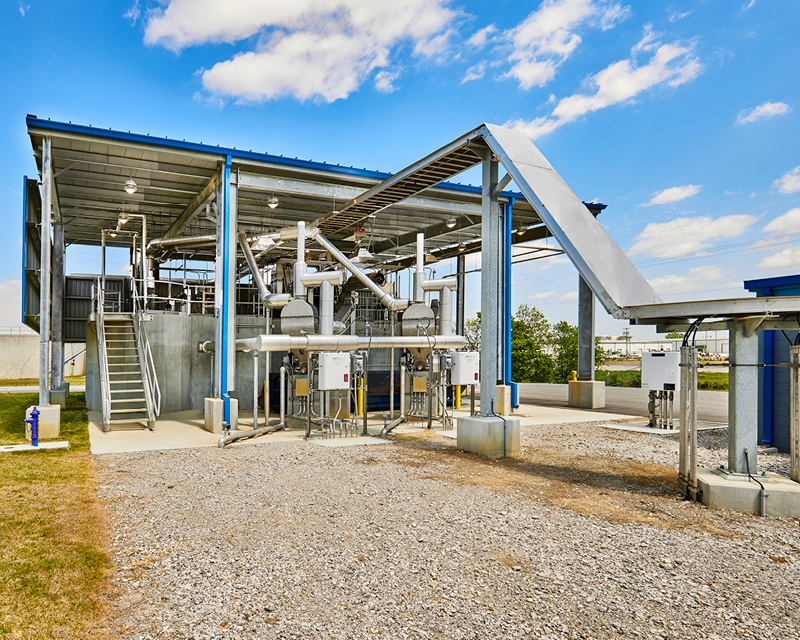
(28, 389)
(184, 430)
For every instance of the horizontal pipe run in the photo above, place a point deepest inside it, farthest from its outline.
(234, 437)
(316, 342)
(439, 284)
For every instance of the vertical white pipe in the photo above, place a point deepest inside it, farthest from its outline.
(446, 311)
(255, 389)
(419, 274)
(326, 304)
(402, 391)
(300, 264)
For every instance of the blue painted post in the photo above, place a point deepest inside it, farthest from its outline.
(226, 236)
(507, 302)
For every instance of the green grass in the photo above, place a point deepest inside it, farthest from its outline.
(53, 557)
(34, 382)
(706, 380)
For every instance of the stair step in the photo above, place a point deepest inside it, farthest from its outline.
(142, 410)
(130, 401)
(140, 392)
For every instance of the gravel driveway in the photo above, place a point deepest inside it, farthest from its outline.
(583, 537)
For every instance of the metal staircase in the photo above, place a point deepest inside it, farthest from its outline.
(128, 383)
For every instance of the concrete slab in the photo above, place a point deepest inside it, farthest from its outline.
(349, 442)
(783, 495)
(642, 427)
(180, 430)
(43, 446)
(29, 389)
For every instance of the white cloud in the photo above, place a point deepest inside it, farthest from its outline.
(748, 5)
(684, 235)
(673, 194)
(765, 110)
(670, 64)
(789, 221)
(675, 16)
(305, 48)
(23, 9)
(542, 296)
(482, 36)
(547, 37)
(133, 13)
(690, 281)
(475, 72)
(789, 182)
(384, 81)
(786, 259)
(572, 295)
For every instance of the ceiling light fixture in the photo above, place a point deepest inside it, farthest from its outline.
(272, 202)
(461, 247)
(130, 185)
(451, 222)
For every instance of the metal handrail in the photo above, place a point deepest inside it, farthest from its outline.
(149, 368)
(105, 388)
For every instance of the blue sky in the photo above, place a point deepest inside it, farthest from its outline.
(681, 116)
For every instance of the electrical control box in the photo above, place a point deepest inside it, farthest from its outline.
(466, 367)
(661, 370)
(334, 371)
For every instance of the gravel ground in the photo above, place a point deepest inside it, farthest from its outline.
(584, 536)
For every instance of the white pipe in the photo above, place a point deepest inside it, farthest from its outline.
(325, 280)
(270, 299)
(315, 342)
(255, 391)
(300, 266)
(283, 395)
(445, 288)
(419, 274)
(386, 299)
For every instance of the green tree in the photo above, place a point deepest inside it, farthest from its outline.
(674, 334)
(529, 362)
(472, 332)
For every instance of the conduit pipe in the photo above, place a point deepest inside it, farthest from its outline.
(264, 430)
(325, 280)
(300, 266)
(270, 299)
(419, 274)
(315, 342)
(386, 299)
(445, 288)
(389, 427)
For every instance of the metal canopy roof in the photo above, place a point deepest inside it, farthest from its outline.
(91, 166)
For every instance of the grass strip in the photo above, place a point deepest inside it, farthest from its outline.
(54, 561)
(34, 382)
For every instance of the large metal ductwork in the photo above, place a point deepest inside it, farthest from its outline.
(445, 287)
(325, 280)
(419, 274)
(300, 265)
(270, 299)
(386, 299)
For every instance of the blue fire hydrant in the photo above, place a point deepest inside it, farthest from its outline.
(34, 422)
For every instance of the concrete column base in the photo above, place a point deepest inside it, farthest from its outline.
(739, 494)
(503, 406)
(59, 397)
(485, 435)
(214, 414)
(587, 394)
(49, 421)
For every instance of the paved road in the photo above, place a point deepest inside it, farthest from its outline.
(712, 405)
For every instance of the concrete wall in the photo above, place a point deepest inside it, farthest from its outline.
(19, 357)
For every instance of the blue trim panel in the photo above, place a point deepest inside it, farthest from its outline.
(507, 236)
(226, 236)
(768, 390)
(235, 154)
(768, 283)
(24, 242)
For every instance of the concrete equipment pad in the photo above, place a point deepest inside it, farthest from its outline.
(643, 427)
(783, 495)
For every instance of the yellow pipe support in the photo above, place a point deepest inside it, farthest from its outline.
(361, 400)
(457, 404)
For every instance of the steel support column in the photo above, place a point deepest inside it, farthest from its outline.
(219, 292)
(57, 306)
(585, 330)
(44, 272)
(743, 398)
(490, 279)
